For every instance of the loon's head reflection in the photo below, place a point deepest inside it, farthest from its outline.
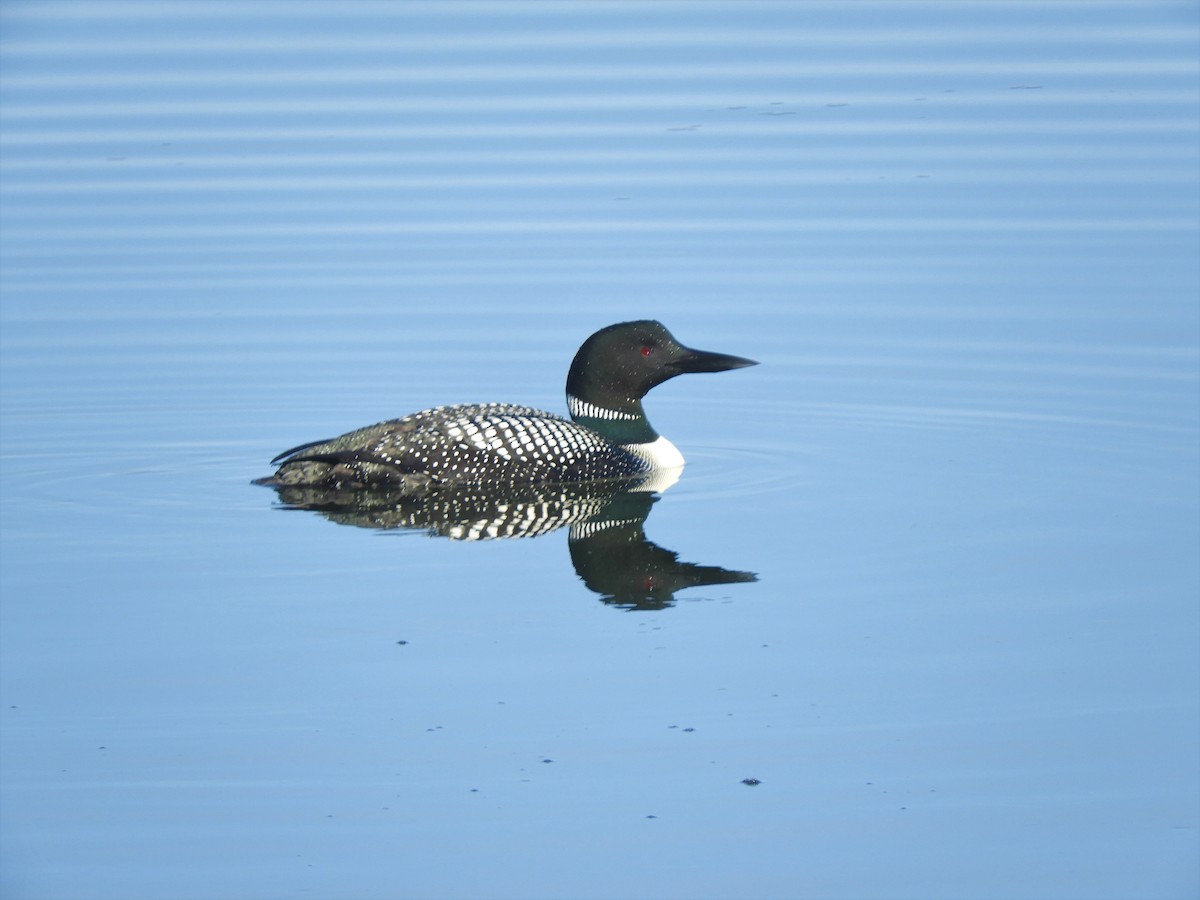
(613, 558)
(607, 540)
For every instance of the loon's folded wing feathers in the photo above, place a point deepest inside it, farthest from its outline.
(334, 457)
(424, 429)
(360, 440)
(286, 455)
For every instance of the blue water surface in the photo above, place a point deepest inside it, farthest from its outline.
(960, 238)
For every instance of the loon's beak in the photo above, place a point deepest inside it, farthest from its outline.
(702, 361)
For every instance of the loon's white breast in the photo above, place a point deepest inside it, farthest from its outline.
(659, 453)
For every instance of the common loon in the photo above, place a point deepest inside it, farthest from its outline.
(504, 444)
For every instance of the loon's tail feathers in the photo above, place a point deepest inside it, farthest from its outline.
(351, 469)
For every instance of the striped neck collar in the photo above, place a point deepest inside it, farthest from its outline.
(621, 426)
(581, 409)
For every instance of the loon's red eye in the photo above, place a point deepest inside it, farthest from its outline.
(647, 350)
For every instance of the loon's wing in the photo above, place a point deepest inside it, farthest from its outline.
(427, 420)
(389, 442)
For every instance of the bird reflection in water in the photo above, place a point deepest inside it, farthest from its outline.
(606, 522)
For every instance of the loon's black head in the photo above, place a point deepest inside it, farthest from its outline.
(617, 365)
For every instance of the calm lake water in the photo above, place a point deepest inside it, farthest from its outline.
(959, 237)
